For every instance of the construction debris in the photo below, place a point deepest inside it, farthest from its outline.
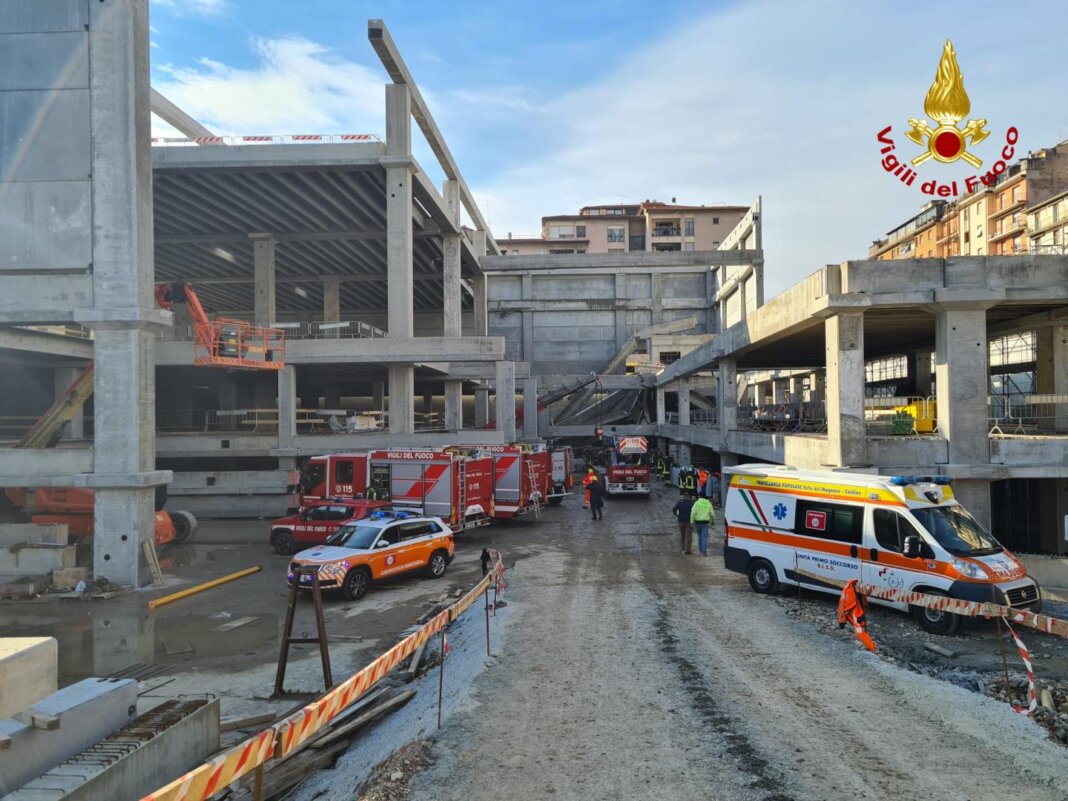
(389, 780)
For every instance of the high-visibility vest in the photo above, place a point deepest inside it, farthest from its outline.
(852, 609)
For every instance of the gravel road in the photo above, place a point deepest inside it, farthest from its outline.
(631, 670)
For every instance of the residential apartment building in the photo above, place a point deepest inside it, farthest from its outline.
(1047, 226)
(992, 221)
(627, 228)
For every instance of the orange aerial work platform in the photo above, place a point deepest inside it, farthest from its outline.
(223, 342)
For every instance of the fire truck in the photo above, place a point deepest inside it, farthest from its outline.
(628, 470)
(522, 476)
(563, 474)
(456, 487)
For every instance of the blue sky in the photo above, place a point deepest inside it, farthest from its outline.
(549, 106)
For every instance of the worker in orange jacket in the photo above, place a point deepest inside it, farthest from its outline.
(852, 608)
(590, 477)
(702, 483)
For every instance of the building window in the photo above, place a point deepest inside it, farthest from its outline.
(616, 235)
(715, 220)
(561, 231)
(978, 231)
(580, 231)
(687, 245)
(670, 356)
(687, 226)
(615, 212)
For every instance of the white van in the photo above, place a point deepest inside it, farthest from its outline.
(902, 532)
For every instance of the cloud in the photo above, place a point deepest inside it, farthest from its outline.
(199, 8)
(766, 99)
(296, 86)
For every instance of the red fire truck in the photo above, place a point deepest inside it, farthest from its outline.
(456, 487)
(522, 476)
(628, 470)
(563, 478)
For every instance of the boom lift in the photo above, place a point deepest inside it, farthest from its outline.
(216, 343)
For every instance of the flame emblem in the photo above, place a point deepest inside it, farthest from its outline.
(947, 104)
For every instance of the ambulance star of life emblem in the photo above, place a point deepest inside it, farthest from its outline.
(947, 104)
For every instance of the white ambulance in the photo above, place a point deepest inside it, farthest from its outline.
(903, 532)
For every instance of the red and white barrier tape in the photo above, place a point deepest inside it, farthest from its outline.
(1032, 696)
(1045, 623)
(275, 139)
(288, 735)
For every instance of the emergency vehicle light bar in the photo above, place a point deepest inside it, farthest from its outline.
(902, 481)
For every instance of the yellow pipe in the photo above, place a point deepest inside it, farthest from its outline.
(177, 596)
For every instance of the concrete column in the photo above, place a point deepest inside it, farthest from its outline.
(401, 399)
(684, 401)
(481, 312)
(331, 304)
(817, 387)
(378, 395)
(661, 410)
(963, 376)
(728, 396)
(684, 456)
(795, 386)
(621, 311)
(505, 399)
(482, 416)
(919, 363)
(452, 302)
(399, 254)
(657, 290)
(122, 270)
(742, 299)
(847, 444)
(428, 401)
(530, 408)
(64, 377)
(1051, 370)
(264, 294)
(727, 459)
(975, 496)
(287, 407)
(124, 448)
(778, 390)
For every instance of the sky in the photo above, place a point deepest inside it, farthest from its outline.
(551, 106)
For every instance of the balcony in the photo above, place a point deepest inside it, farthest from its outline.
(666, 229)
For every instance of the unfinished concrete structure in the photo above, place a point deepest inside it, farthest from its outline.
(807, 352)
(342, 240)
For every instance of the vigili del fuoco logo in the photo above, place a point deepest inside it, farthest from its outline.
(945, 142)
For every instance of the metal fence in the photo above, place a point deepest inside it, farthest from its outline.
(797, 418)
(1028, 415)
(315, 329)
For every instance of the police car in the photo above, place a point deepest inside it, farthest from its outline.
(385, 544)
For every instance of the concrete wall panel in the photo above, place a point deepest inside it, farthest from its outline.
(65, 244)
(639, 286)
(639, 318)
(44, 136)
(684, 285)
(44, 61)
(585, 287)
(505, 287)
(43, 16)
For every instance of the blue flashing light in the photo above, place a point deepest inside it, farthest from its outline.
(903, 481)
(378, 515)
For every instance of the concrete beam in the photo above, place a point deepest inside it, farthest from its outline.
(45, 344)
(352, 156)
(617, 261)
(380, 39)
(172, 114)
(643, 430)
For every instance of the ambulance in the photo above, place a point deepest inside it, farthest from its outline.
(901, 532)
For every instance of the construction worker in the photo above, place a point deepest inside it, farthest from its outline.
(702, 482)
(590, 477)
(702, 516)
(372, 493)
(852, 609)
(713, 490)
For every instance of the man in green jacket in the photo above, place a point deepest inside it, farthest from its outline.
(701, 516)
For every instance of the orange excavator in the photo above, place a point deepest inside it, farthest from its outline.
(216, 343)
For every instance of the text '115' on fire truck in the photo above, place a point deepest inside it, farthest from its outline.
(628, 471)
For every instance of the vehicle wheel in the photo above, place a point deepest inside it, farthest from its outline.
(762, 577)
(935, 621)
(356, 582)
(439, 560)
(559, 499)
(283, 542)
(185, 526)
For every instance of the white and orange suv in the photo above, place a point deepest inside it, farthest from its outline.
(385, 544)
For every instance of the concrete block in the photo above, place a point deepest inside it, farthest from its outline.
(87, 712)
(69, 576)
(183, 734)
(33, 559)
(28, 671)
(15, 533)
